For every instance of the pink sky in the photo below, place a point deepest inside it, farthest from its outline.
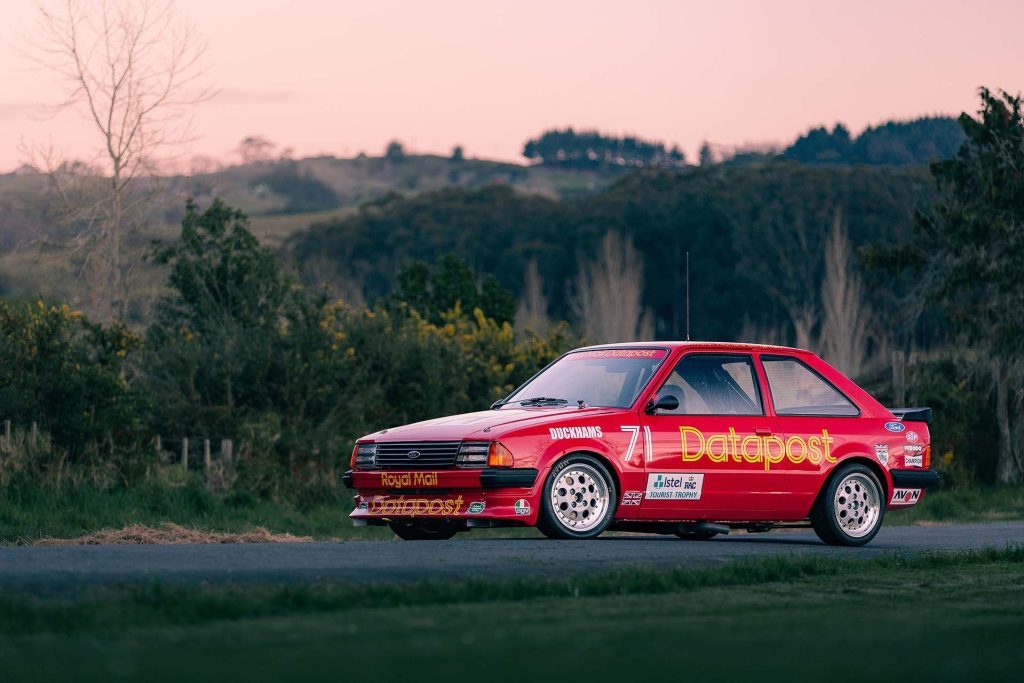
(338, 77)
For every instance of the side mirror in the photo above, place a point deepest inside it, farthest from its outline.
(667, 402)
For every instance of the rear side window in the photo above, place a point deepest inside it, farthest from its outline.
(798, 390)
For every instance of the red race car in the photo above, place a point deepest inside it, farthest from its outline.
(689, 438)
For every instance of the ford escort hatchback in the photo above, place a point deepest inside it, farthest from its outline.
(686, 438)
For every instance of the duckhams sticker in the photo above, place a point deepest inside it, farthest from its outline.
(575, 433)
(769, 450)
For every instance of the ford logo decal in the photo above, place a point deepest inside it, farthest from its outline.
(895, 426)
(413, 454)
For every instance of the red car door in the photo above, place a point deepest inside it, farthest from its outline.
(713, 456)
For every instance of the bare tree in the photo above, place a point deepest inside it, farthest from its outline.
(846, 320)
(254, 149)
(132, 67)
(608, 297)
(532, 313)
(784, 256)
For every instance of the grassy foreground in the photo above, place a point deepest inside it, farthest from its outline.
(943, 616)
(30, 513)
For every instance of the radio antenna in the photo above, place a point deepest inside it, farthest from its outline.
(687, 296)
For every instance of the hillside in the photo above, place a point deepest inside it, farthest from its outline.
(284, 197)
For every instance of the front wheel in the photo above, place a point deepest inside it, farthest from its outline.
(578, 498)
(850, 508)
(423, 531)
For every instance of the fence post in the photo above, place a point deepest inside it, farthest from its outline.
(206, 454)
(899, 391)
(7, 433)
(184, 453)
(226, 452)
(35, 432)
(159, 446)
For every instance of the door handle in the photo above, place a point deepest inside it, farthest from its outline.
(762, 431)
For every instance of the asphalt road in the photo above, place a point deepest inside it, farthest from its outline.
(61, 567)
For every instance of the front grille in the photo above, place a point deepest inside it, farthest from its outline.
(432, 454)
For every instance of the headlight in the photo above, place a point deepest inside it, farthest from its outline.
(364, 457)
(473, 453)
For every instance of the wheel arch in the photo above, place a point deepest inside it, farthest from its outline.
(604, 460)
(858, 459)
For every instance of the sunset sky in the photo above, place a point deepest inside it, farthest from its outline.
(337, 77)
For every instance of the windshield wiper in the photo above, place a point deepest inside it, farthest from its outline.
(535, 401)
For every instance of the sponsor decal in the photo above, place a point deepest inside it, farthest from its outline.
(913, 461)
(769, 450)
(405, 480)
(905, 496)
(913, 449)
(618, 353)
(415, 507)
(632, 497)
(575, 433)
(475, 508)
(674, 486)
(895, 426)
(912, 437)
(634, 433)
(882, 453)
(522, 507)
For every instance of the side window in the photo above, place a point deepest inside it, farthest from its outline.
(798, 390)
(714, 384)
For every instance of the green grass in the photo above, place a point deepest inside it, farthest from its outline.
(989, 504)
(942, 616)
(31, 512)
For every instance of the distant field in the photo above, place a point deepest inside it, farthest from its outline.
(936, 617)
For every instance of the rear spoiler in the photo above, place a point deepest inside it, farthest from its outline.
(913, 414)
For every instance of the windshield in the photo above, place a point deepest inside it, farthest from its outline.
(611, 378)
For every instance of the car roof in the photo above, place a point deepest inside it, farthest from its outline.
(739, 346)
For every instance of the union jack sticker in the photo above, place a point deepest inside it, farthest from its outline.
(632, 497)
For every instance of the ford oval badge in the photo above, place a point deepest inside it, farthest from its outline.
(413, 454)
(895, 426)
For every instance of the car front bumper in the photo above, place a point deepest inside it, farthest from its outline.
(473, 497)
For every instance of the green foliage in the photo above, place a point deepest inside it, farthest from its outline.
(738, 223)
(975, 238)
(239, 349)
(72, 377)
(895, 143)
(592, 149)
(450, 285)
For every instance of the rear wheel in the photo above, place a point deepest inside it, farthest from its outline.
(850, 508)
(423, 531)
(578, 499)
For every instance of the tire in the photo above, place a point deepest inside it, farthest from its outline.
(850, 507)
(419, 531)
(696, 535)
(578, 498)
